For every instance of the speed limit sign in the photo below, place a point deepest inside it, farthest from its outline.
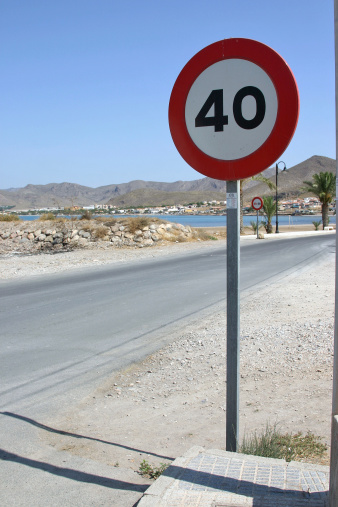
(233, 109)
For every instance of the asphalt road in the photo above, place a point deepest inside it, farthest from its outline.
(63, 334)
(60, 332)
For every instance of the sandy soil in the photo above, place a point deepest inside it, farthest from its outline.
(175, 399)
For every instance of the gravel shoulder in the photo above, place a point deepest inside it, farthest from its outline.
(20, 265)
(175, 399)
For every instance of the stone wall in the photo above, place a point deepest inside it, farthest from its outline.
(67, 234)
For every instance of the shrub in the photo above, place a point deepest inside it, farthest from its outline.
(253, 225)
(203, 235)
(137, 223)
(316, 224)
(100, 232)
(86, 215)
(88, 227)
(9, 218)
(273, 444)
(147, 470)
(108, 222)
(47, 216)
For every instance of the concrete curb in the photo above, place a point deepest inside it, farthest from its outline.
(216, 478)
(283, 235)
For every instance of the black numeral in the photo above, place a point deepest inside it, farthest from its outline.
(218, 120)
(260, 107)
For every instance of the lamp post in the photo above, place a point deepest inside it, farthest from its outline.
(284, 169)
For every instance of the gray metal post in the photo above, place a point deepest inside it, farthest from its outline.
(233, 336)
(333, 501)
(257, 225)
(277, 230)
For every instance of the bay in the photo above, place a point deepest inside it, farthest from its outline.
(219, 220)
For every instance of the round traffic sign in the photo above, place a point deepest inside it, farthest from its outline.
(257, 203)
(233, 109)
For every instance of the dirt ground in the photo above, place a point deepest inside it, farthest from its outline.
(158, 409)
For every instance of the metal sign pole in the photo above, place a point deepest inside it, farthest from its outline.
(233, 236)
(257, 224)
(333, 497)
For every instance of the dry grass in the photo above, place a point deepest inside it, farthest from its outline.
(86, 215)
(204, 235)
(100, 232)
(9, 218)
(273, 444)
(108, 222)
(137, 223)
(88, 226)
(46, 216)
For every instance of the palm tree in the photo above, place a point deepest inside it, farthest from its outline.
(323, 186)
(269, 208)
(258, 177)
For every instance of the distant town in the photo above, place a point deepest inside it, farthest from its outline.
(305, 206)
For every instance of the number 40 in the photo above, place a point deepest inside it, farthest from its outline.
(218, 120)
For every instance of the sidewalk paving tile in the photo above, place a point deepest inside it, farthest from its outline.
(216, 478)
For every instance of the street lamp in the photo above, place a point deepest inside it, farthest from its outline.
(283, 169)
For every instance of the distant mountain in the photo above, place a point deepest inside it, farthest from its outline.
(152, 193)
(152, 197)
(290, 182)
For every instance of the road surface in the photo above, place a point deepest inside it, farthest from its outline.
(61, 335)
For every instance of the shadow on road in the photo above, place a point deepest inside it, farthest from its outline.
(74, 475)
(75, 435)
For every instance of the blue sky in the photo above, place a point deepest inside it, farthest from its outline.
(85, 84)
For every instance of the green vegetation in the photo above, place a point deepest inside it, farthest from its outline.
(323, 186)
(269, 208)
(273, 444)
(9, 218)
(147, 470)
(253, 225)
(316, 224)
(258, 177)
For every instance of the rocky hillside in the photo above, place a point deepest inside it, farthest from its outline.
(290, 182)
(152, 193)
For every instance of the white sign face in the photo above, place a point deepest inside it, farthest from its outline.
(257, 203)
(231, 109)
(232, 200)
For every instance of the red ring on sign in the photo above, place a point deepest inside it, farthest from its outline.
(260, 206)
(287, 114)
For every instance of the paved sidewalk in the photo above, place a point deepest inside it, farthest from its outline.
(212, 478)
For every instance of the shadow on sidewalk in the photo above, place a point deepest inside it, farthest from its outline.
(263, 496)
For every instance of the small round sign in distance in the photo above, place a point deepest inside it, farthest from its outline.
(233, 109)
(257, 203)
